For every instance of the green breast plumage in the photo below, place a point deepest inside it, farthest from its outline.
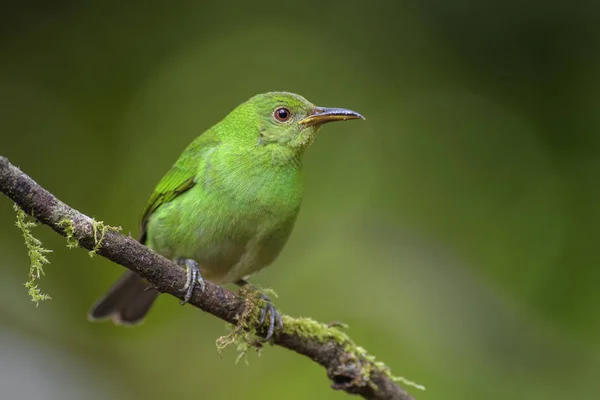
(237, 216)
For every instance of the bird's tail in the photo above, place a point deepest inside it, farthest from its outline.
(127, 302)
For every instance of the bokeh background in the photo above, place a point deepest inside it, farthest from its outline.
(455, 231)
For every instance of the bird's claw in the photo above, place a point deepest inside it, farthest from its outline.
(275, 320)
(274, 317)
(193, 278)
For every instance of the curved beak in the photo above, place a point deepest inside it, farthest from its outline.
(322, 115)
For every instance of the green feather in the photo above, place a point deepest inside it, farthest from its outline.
(180, 178)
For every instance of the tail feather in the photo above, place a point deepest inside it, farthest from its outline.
(127, 302)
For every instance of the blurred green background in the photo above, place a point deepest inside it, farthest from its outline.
(455, 231)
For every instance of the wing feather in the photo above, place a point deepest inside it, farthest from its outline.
(179, 179)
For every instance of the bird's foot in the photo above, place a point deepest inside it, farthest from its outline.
(275, 321)
(274, 317)
(194, 278)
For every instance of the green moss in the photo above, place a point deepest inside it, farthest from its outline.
(69, 228)
(36, 255)
(309, 328)
(400, 379)
(243, 335)
(100, 230)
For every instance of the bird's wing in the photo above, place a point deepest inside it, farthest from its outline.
(179, 179)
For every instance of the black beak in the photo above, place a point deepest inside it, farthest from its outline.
(322, 115)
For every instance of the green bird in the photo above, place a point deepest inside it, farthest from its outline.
(226, 208)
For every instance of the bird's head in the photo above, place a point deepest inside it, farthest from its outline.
(287, 119)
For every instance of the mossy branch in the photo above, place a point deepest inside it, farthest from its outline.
(348, 366)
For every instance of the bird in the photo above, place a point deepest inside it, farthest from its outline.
(227, 206)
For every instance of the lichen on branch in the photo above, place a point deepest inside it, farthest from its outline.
(314, 330)
(37, 258)
(100, 230)
(244, 333)
(69, 228)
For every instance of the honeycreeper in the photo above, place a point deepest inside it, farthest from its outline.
(227, 206)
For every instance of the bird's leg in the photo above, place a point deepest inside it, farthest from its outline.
(274, 317)
(193, 277)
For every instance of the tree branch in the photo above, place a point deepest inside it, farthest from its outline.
(349, 370)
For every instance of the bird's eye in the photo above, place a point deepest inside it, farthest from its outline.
(282, 114)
